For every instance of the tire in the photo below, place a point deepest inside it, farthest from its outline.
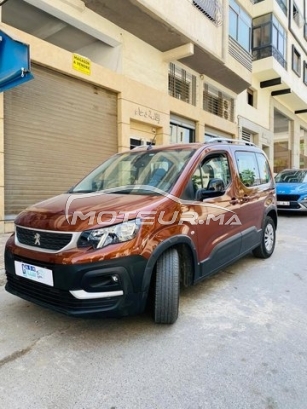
(167, 288)
(267, 245)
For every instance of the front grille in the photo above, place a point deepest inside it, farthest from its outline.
(52, 297)
(288, 198)
(43, 239)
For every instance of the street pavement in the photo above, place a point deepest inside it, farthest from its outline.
(239, 343)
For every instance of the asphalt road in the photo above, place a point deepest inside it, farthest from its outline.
(239, 343)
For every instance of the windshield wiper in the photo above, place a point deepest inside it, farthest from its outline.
(117, 192)
(81, 191)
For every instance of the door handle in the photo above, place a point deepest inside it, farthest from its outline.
(245, 199)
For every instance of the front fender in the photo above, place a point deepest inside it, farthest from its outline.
(166, 244)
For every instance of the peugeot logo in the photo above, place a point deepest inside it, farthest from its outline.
(37, 238)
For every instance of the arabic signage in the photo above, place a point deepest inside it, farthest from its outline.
(147, 114)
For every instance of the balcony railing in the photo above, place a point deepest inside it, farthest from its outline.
(240, 54)
(212, 9)
(269, 51)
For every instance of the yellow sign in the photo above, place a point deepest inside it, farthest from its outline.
(81, 64)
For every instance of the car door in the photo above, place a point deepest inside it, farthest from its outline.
(255, 188)
(217, 226)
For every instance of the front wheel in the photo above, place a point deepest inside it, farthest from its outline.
(167, 287)
(267, 245)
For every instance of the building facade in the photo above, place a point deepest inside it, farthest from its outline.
(110, 75)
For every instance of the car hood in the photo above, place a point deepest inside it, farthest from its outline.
(78, 212)
(291, 188)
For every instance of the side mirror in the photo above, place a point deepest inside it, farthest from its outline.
(216, 184)
(215, 188)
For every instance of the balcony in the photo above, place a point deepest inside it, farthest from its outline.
(284, 85)
(167, 26)
(269, 51)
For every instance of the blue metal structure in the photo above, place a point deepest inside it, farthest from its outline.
(14, 62)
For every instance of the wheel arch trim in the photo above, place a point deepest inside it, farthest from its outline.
(161, 248)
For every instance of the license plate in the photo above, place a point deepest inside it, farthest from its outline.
(39, 274)
(283, 203)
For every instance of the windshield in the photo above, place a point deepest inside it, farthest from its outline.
(134, 171)
(292, 176)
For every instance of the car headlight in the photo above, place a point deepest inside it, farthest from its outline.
(118, 233)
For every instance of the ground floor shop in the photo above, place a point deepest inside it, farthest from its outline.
(58, 126)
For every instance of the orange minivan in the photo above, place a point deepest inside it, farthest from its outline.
(140, 226)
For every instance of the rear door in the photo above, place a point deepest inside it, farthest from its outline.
(255, 188)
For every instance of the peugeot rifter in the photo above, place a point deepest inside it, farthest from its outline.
(140, 226)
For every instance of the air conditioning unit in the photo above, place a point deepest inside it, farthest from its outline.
(226, 109)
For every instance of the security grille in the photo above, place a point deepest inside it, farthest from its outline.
(247, 136)
(181, 84)
(211, 9)
(218, 103)
(56, 129)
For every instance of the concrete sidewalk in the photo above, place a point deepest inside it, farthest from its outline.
(3, 239)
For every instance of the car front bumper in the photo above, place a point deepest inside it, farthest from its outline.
(292, 205)
(109, 288)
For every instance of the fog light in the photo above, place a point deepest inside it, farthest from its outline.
(115, 278)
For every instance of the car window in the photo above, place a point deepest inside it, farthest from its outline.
(210, 169)
(264, 168)
(291, 176)
(248, 168)
(154, 168)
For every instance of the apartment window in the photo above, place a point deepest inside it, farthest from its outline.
(305, 31)
(240, 25)
(269, 39)
(283, 5)
(135, 142)
(218, 103)
(297, 15)
(279, 37)
(305, 73)
(251, 100)
(181, 133)
(181, 84)
(296, 61)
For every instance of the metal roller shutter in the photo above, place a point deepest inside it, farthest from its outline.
(56, 129)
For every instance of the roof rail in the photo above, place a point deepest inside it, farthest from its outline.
(228, 140)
